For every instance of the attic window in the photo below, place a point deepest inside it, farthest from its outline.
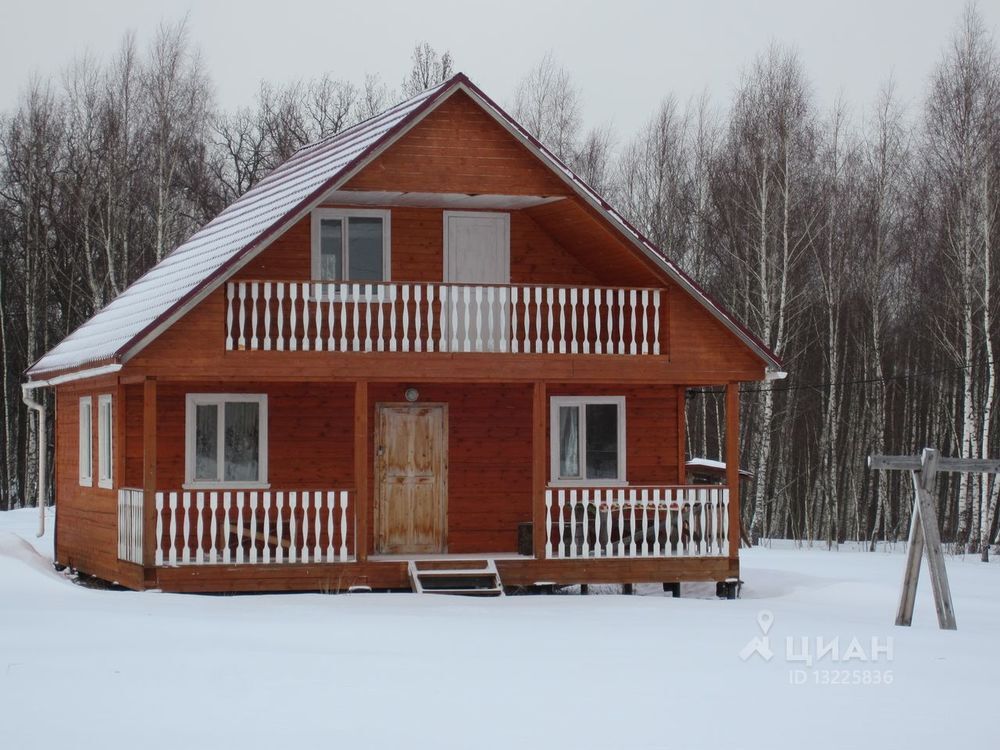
(350, 245)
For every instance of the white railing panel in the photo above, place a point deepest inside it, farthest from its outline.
(130, 502)
(239, 527)
(637, 522)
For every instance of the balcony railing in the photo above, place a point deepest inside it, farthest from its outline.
(237, 527)
(619, 522)
(424, 317)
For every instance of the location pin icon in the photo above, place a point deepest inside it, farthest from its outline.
(765, 618)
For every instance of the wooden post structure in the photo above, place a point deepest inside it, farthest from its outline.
(148, 474)
(538, 478)
(924, 533)
(733, 467)
(362, 501)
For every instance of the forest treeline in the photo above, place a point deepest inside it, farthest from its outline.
(859, 243)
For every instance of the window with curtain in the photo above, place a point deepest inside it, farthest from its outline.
(226, 440)
(588, 439)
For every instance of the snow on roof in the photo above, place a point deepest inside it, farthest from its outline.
(711, 464)
(205, 260)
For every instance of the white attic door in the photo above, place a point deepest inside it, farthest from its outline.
(477, 252)
(476, 247)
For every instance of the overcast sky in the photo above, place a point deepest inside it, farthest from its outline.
(623, 55)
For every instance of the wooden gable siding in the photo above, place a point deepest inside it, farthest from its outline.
(458, 148)
(87, 517)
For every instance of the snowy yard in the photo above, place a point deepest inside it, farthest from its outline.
(89, 668)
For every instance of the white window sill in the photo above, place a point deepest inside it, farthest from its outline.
(86, 482)
(226, 486)
(107, 484)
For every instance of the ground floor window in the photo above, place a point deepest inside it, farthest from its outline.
(226, 440)
(588, 439)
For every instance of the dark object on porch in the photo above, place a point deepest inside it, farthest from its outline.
(674, 587)
(729, 588)
(524, 539)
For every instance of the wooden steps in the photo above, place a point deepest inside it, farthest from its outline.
(462, 577)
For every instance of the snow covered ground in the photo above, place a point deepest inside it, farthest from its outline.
(87, 668)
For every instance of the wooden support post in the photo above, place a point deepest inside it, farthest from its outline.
(363, 500)
(733, 466)
(681, 434)
(924, 534)
(538, 473)
(148, 476)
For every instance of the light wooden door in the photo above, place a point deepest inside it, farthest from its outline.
(411, 467)
(476, 254)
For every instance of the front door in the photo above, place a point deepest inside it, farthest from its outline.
(411, 470)
(476, 257)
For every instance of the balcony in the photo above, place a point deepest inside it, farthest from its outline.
(431, 317)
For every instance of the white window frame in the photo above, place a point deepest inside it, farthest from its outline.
(192, 401)
(105, 431)
(86, 441)
(555, 402)
(345, 215)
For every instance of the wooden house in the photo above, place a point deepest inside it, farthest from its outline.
(422, 352)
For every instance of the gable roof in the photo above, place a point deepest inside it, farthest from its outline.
(198, 266)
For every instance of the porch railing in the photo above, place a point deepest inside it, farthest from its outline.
(415, 317)
(240, 527)
(130, 525)
(690, 521)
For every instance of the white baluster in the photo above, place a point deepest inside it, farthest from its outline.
(200, 507)
(329, 525)
(492, 334)
(430, 318)
(574, 347)
(644, 543)
(572, 523)
(690, 497)
(444, 316)
(342, 300)
(504, 318)
(622, 349)
(645, 321)
(609, 296)
(159, 529)
(562, 320)
(561, 495)
(585, 507)
(239, 527)
(226, 531)
(631, 523)
(368, 315)
(668, 501)
(253, 527)
(316, 293)
(466, 318)
(241, 342)
(656, 322)
(600, 527)
(279, 507)
(229, 320)
(725, 522)
(279, 289)
(479, 318)
(620, 500)
(291, 527)
(317, 510)
(598, 346)
(379, 292)
(266, 546)
(254, 300)
(173, 528)
(293, 331)
(418, 318)
(549, 305)
(343, 525)
(548, 523)
(331, 316)
(304, 550)
(655, 548)
(538, 320)
(213, 506)
(586, 320)
(267, 316)
(405, 291)
(631, 299)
